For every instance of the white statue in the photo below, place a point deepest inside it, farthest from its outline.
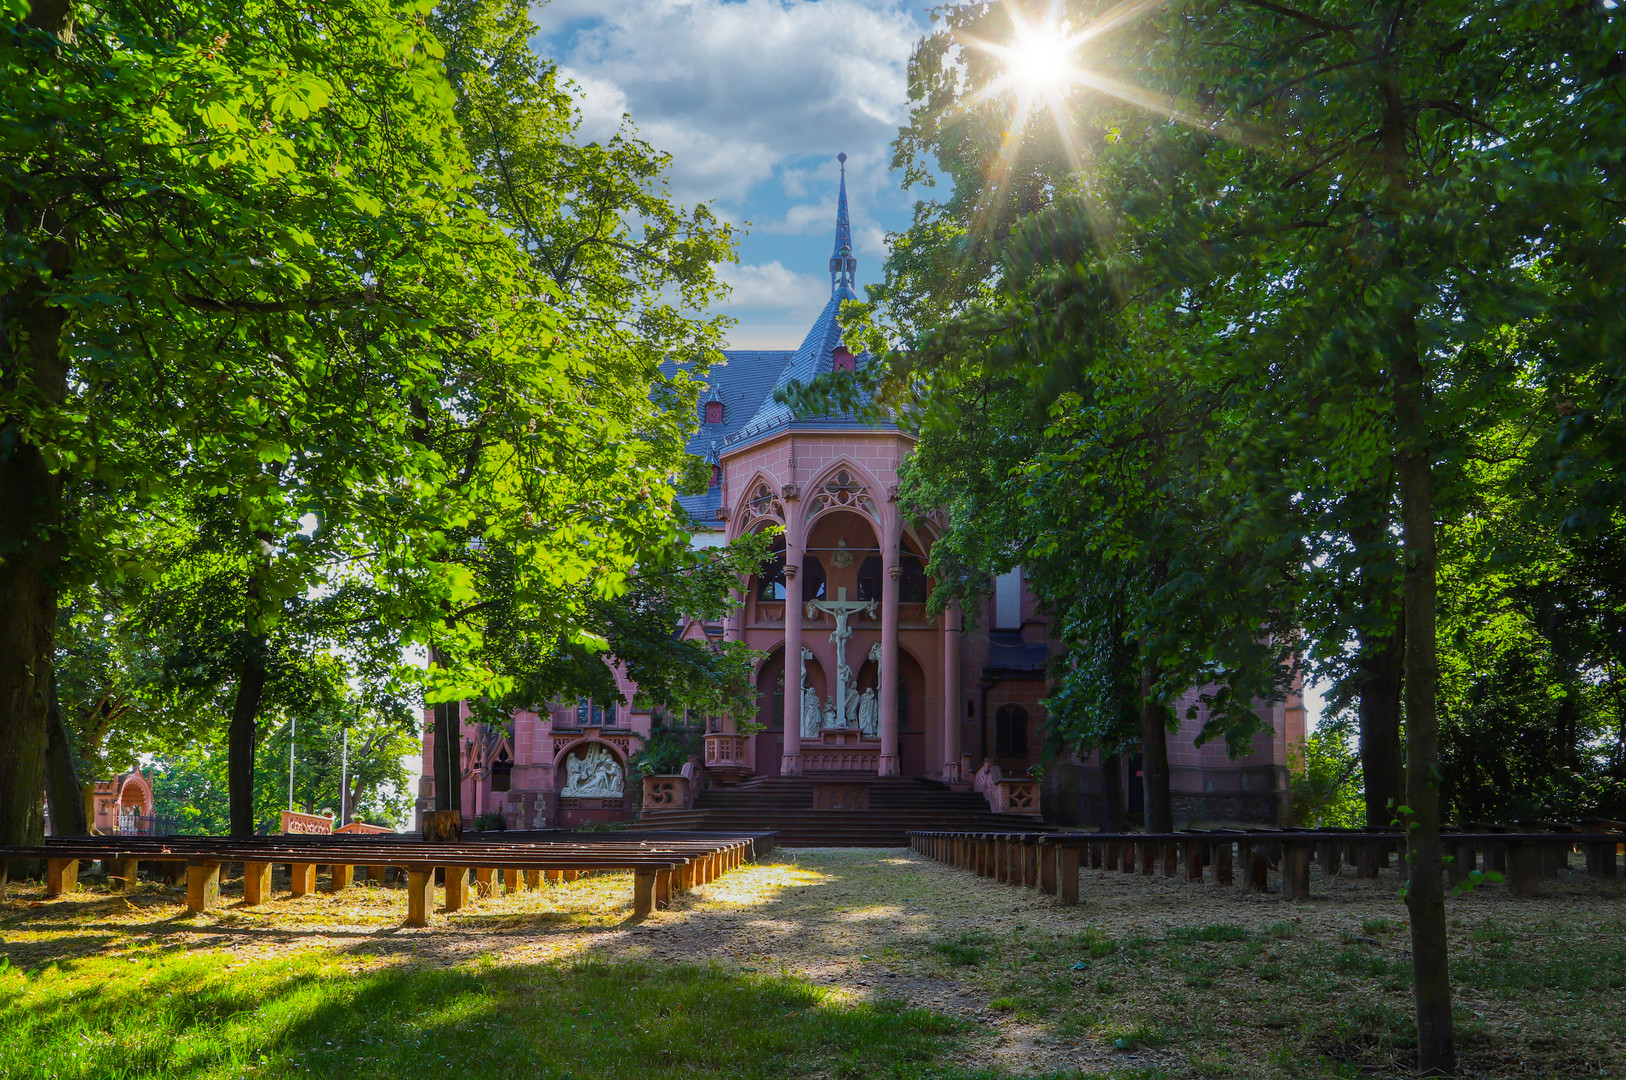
(843, 609)
(851, 719)
(593, 774)
(869, 714)
(830, 718)
(812, 715)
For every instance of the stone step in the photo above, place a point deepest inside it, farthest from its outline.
(785, 804)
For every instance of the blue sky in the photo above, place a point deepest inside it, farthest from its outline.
(754, 99)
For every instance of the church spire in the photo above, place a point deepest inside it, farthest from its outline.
(843, 266)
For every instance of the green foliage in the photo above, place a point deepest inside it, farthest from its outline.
(302, 308)
(1326, 779)
(669, 745)
(1157, 337)
(190, 785)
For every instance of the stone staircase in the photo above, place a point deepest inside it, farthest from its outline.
(785, 804)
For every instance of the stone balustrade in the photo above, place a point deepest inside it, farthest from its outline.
(295, 823)
(668, 793)
(1006, 794)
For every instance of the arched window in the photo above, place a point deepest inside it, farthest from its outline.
(1011, 731)
(812, 578)
(771, 578)
(912, 585)
(912, 588)
(590, 713)
(869, 578)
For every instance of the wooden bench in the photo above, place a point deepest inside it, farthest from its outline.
(1051, 862)
(661, 863)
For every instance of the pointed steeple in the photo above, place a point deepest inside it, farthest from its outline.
(843, 266)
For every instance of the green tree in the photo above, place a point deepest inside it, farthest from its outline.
(1343, 212)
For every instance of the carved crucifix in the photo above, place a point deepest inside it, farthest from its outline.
(843, 609)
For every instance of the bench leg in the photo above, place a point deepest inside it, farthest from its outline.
(121, 873)
(420, 896)
(304, 878)
(643, 893)
(202, 886)
(1048, 857)
(663, 888)
(61, 876)
(343, 877)
(457, 887)
(1222, 865)
(375, 874)
(510, 881)
(482, 882)
(1525, 865)
(1296, 872)
(256, 883)
(1068, 869)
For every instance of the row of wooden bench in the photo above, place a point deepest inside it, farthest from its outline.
(662, 864)
(1051, 861)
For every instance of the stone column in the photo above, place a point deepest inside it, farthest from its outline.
(795, 544)
(889, 764)
(951, 694)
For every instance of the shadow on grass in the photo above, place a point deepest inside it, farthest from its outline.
(191, 1015)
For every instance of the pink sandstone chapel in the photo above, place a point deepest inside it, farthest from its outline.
(890, 712)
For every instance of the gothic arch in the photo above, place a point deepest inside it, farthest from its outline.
(861, 493)
(759, 503)
(617, 752)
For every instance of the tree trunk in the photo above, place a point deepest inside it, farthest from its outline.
(1425, 887)
(442, 765)
(1112, 793)
(30, 526)
(62, 778)
(1154, 750)
(1381, 663)
(241, 737)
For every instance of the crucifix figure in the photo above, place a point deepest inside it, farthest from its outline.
(843, 609)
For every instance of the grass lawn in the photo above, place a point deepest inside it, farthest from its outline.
(833, 963)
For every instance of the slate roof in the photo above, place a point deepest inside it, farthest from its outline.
(742, 382)
(1009, 653)
(747, 381)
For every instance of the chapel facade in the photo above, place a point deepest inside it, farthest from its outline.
(876, 686)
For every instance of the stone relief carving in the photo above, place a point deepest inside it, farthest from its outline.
(842, 557)
(594, 773)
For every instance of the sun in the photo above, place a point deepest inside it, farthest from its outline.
(1039, 59)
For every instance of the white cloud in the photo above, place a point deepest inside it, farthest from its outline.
(772, 287)
(745, 91)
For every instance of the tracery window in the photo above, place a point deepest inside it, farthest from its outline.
(843, 489)
(762, 503)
